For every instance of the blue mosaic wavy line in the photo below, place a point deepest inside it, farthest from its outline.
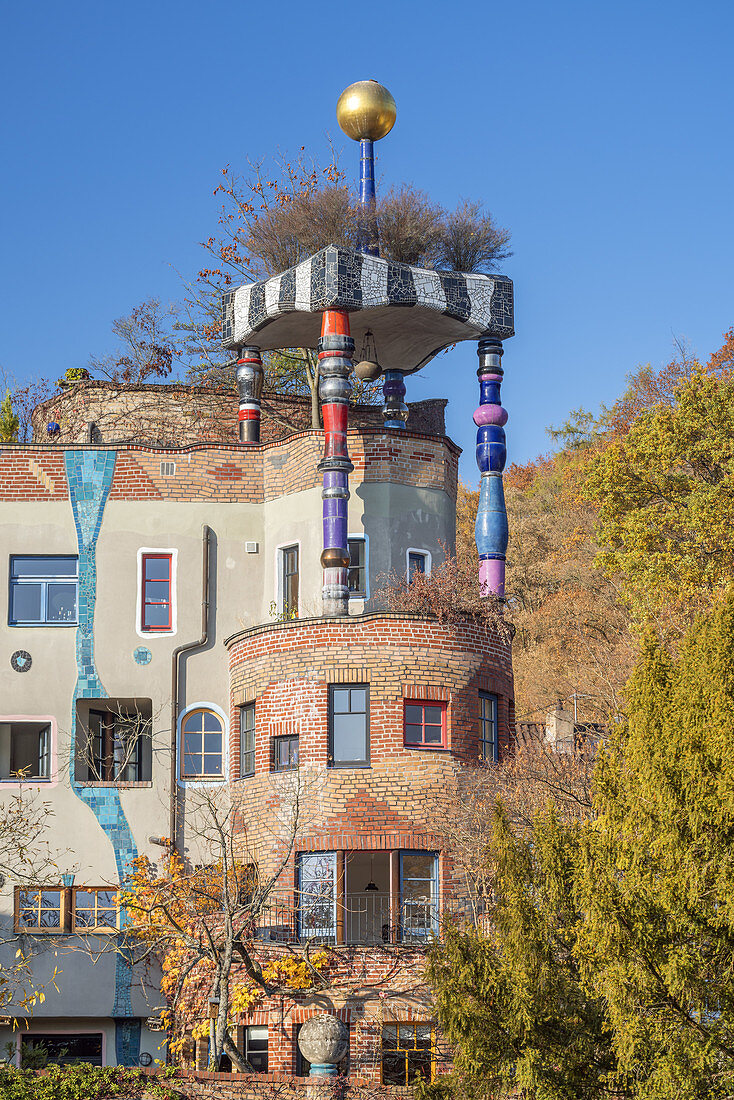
(89, 475)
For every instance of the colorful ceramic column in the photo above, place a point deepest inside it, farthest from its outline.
(490, 418)
(250, 387)
(336, 348)
(394, 409)
(368, 233)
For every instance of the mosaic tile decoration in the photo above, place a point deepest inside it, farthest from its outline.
(142, 655)
(89, 475)
(445, 306)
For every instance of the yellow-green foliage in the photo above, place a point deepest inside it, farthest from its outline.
(665, 492)
(9, 422)
(656, 883)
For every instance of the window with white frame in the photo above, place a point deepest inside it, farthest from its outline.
(25, 751)
(357, 573)
(418, 561)
(288, 581)
(202, 733)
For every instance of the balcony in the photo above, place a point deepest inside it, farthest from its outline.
(361, 920)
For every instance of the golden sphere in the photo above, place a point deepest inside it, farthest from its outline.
(366, 110)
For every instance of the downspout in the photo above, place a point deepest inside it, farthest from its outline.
(175, 668)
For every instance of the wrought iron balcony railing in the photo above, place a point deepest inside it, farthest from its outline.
(362, 919)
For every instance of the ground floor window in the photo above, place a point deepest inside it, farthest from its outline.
(60, 1050)
(255, 1043)
(407, 1053)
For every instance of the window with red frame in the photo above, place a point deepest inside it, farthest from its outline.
(156, 601)
(425, 725)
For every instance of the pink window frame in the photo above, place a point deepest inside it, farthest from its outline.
(156, 603)
(423, 703)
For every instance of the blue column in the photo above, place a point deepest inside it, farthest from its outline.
(491, 526)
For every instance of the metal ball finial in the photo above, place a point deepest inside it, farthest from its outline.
(366, 111)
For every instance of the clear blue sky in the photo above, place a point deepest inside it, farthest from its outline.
(599, 133)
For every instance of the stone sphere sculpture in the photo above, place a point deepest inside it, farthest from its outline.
(323, 1041)
(366, 111)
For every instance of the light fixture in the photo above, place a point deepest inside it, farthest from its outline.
(371, 884)
(368, 369)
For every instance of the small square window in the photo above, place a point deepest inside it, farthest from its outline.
(95, 909)
(285, 753)
(25, 751)
(424, 725)
(357, 574)
(168, 469)
(43, 591)
(247, 739)
(41, 910)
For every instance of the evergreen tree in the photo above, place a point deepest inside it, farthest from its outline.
(9, 422)
(656, 881)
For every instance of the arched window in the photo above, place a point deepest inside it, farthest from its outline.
(203, 745)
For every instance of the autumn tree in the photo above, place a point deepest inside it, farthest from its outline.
(9, 421)
(146, 347)
(266, 225)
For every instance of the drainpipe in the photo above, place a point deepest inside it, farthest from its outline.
(175, 670)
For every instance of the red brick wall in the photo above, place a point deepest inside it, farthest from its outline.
(236, 473)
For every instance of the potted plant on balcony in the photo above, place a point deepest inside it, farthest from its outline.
(72, 376)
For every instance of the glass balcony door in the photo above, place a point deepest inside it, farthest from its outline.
(317, 897)
(418, 896)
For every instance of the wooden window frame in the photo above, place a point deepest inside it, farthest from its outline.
(144, 559)
(423, 745)
(97, 929)
(247, 707)
(204, 777)
(349, 763)
(407, 1050)
(64, 910)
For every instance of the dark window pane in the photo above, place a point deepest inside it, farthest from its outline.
(213, 765)
(192, 743)
(413, 735)
(211, 721)
(419, 1066)
(194, 721)
(26, 603)
(213, 742)
(417, 865)
(107, 898)
(83, 899)
(433, 715)
(433, 735)
(413, 713)
(393, 1069)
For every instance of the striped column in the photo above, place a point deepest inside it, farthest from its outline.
(394, 409)
(250, 387)
(491, 525)
(336, 348)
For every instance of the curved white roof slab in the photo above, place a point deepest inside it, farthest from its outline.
(413, 313)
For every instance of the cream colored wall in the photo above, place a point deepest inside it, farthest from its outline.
(243, 587)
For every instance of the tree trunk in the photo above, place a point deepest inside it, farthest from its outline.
(315, 411)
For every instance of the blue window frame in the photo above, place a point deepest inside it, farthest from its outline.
(488, 740)
(317, 897)
(418, 896)
(44, 590)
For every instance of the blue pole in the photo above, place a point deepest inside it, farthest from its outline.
(368, 240)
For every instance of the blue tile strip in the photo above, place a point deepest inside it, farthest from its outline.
(89, 475)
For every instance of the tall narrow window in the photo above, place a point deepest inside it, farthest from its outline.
(418, 895)
(203, 746)
(317, 897)
(425, 725)
(156, 596)
(348, 725)
(357, 575)
(289, 582)
(43, 591)
(255, 1041)
(419, 561)
(488, 741)
(247, 739)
